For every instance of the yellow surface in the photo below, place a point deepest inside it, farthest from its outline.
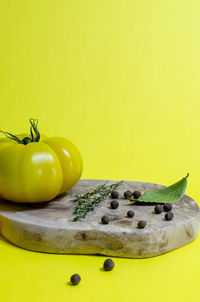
(121, 80)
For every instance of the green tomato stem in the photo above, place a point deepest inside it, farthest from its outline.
(34, 134)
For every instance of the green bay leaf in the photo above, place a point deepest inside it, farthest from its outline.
(169, 194)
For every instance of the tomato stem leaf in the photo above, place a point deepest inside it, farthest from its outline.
(34, 137)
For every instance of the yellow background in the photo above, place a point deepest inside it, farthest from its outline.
(121, 79)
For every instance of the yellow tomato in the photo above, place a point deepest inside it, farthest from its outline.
(37, 169)
(70, 160)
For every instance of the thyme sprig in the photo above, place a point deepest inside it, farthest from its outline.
(89, 200)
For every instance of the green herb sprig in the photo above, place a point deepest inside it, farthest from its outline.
(89, 200)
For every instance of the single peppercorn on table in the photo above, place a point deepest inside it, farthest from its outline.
(49, 227)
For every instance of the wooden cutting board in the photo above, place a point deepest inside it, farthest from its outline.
(49, 227)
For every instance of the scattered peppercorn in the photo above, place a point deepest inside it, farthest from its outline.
(167, 207)
(130, 214)
(114, 194)
(114, 204)
(105, 219)
(141, 224)
(169, 216)
(75, 279)
(108, 264)
(136, 194)
(128, 194)
(158, 209)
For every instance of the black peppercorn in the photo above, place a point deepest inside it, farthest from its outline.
(114, 194)
(136, 194)
(169, 216)
(141, 224)
(130, 214)
(75, 279)
(167, 207)
(128, 194)
(158, 209)
(114, 204)
(105, 219)
(108, 264)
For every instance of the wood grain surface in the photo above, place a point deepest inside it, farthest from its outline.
(49, 227)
